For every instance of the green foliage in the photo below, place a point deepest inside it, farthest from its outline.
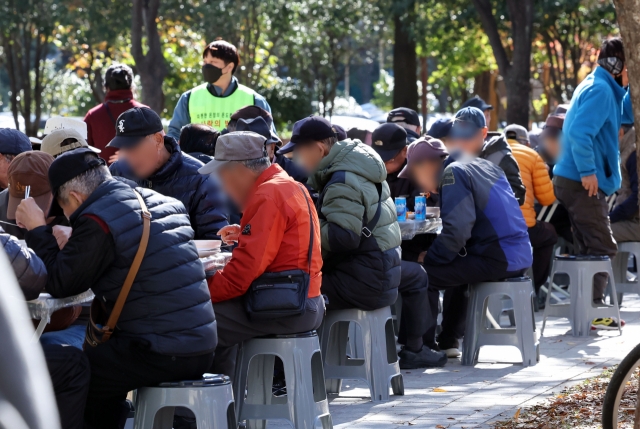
(383, 91)
(289, 101)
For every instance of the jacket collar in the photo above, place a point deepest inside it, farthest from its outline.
(619, 92)
(217, 91)
(172, 165)
(100, 191)
(119, 95)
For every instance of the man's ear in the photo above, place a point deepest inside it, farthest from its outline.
(485, 131)
(228, 68)
(404, 151)
(78, 197)
(159, 137)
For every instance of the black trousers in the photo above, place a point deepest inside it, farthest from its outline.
(234, 326)
(543, 237)
(419, 301)
(454, 278)
(121, 365)
(70, 375)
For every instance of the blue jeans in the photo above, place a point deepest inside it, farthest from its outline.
(72, 336)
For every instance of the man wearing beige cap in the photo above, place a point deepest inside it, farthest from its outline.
(62, 140)
(27, 171)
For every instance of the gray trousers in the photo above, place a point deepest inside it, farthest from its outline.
(590, 225)
(234, 327)
(626, 230)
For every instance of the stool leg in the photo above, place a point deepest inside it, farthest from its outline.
(476, 312)
(240, 380)
(259, 391)
(299, 376)
(614, 297)
(376, 356)
(338, 342)
(525, 327)
(548, 300)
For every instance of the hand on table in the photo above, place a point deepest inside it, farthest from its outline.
(229, 234)
(62, 234)
(29, 215)
(590, 183)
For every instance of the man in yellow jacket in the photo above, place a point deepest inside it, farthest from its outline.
(535, 177)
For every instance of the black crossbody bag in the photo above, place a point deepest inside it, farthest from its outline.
(281, 294)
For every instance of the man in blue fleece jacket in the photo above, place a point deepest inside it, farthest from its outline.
(589, 166)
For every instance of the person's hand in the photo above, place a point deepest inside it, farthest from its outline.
(29, 215)
(590, 183)
(113, 158)
(421, 257)
(62, 234)
(229, 234)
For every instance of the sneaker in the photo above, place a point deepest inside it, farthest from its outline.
(425, 358)
(453, 352)
(606, 324)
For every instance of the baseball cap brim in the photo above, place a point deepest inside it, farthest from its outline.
(405, 173)
(120, 142)
(288, 148)
(386, 155)
(212, 166)
(42, 201)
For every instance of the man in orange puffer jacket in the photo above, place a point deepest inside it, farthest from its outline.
(535, 177)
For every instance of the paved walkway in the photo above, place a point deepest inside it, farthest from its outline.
(466, 397)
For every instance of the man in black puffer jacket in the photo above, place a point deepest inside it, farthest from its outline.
(155, 161)
(167, 329)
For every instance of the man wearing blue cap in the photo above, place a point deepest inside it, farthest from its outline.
(479, 103)
(155, 161)
(468, 133)
(12, 143)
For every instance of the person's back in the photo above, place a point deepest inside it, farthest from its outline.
(498, 230)
(101, 120)
(363, 269)
(497, 151)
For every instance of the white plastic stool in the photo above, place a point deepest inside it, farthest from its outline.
(479, 333)
(210, 399)
(581, 310)
(305, 402)
(378, 366)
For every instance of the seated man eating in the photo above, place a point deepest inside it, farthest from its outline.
(484, 236)
(167, 328)
(278, 234)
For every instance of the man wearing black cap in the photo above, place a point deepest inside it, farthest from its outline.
(479, 103)
(389, 141)
(12, 143)
(360, 232)
(155, 161)
(167, 329)
(407, 119)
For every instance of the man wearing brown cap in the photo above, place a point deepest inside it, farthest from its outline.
(28, 169)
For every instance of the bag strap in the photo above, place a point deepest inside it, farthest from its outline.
(106, 106)
(133, 271)
(369, 226)
(311, 229)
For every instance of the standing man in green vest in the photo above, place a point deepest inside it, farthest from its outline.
(213, 102)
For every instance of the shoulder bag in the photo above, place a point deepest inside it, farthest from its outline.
(101, 326)
(281, 294)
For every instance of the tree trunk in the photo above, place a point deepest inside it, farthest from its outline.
(424, 77)
(628, 13)
(514, 68)
(405, 64)
(151, 66)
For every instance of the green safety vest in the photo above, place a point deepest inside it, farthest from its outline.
(205, 108)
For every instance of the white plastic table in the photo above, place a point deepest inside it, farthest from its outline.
(45, 305)
(411, 228)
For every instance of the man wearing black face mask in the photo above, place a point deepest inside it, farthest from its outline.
(213, 102)
(588, 168)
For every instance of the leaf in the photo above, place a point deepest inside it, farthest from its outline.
(517, 414)
(438, 390)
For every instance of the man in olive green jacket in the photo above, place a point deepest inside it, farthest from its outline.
(360, 232)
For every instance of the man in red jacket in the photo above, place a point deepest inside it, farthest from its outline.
(274, 235)
(101, 120)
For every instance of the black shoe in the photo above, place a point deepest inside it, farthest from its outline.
(425, 358)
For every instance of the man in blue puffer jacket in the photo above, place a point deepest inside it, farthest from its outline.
(167, 328)
(155, 161)
(484, 236)
(589, 166)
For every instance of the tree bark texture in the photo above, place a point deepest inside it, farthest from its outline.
(151, 65)
(515, 67)
(405, 63)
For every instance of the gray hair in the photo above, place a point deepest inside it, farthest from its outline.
(257, 165)
(86, 182)
(329, 141)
